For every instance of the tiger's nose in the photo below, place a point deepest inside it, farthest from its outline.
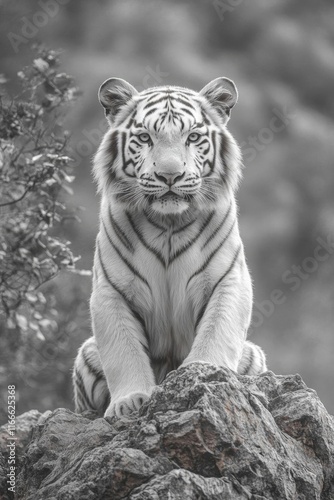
(169, 178)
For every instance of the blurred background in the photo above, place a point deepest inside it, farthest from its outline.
(280, 55)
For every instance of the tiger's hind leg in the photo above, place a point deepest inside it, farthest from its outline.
(89, 383)
(253, 360)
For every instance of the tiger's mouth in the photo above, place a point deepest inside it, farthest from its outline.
(170, 195)
(172, 199)
(170, 202)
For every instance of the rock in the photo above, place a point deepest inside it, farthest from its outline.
(24, 425)
(206, 433)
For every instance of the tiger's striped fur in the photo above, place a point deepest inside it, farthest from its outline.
(170, 280)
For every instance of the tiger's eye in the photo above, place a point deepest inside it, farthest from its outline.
(144, 137)
(193, 137)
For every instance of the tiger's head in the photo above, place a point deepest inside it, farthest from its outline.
(167, 148)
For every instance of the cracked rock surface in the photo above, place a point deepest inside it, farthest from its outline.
(206, 433)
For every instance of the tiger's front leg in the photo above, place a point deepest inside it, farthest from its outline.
(224, 318)
(123, 350)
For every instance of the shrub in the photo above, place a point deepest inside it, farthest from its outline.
(35, 176)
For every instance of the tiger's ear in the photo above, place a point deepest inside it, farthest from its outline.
(222, 94)
(113, 94)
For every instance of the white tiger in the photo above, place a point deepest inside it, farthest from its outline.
(170, 282)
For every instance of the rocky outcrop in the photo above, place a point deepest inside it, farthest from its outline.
(24, 425)
(206, 433)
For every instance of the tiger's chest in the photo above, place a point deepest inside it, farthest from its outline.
(167, 304)
(167, 272)
(171, 259)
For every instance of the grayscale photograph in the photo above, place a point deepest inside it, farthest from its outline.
(166, 250)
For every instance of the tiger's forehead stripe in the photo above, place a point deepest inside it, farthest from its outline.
(185, 110)
(153, 103)
(169, 107)
(164, 107)
(198, 125)
(169, 99)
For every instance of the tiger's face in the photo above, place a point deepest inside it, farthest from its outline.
(167, 148)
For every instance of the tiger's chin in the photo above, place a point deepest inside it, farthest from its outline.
(171, 205)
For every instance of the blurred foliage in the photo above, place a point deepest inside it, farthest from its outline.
(280, 53)
(35, 172)
(34, 168)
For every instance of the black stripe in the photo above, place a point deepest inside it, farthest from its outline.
(205, 152)
(153, 103)
(211, 163)
(198, 125)
(184, 102)
(151, 93)
(125, 163)
(212, 254)
(203, 309)
(129, 125)
(134, 141)
(204, 141)
(140, 164)
(154, 223)
(210, 118)
(123, 135)
(224, 150)
(99, 375)
(81, 386)
(120, 233)
(129, 304)
(213, 234)
(124, 259)
(90, 367)
(206, 120)
(120, 120)
(150, 112)
(80, 404)
(155, 124)
(191, 242)
(184, 110)
(183, 228)
(131, 119)
(113, 152)
(142, 240)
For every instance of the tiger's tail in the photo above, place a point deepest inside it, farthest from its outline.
(253, 360)
(89, 383)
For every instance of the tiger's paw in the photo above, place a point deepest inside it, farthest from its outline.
(126, 405)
